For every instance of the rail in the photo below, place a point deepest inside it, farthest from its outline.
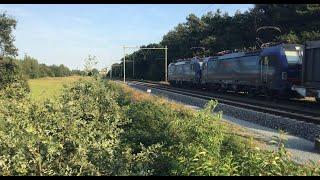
(284, 110)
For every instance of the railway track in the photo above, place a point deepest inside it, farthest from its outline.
(285, 110)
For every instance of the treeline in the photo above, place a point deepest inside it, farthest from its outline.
(20, 70)
(31, 68)
(218, 31)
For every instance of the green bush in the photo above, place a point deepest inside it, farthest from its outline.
(76, 134)
(10, 75)
(150, 125)
(96, 128)
(197, 144)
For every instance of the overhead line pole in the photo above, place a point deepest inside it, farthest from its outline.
(133, 68)
(137, 47)
(124, 60)
(166, 63)
(166, 60)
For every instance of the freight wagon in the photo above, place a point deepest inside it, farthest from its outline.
(310, 75)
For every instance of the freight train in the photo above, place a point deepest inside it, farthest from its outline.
(310, 76)
(274, 71)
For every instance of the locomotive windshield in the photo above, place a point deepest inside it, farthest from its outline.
(293, 53)
(293, 57)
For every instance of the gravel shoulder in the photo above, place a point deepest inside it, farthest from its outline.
(301, 149)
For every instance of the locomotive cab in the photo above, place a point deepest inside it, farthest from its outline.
(281, 68)
(185, 72)
(293, 54)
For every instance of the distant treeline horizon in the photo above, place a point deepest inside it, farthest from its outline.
(32, 69)
(218, 31)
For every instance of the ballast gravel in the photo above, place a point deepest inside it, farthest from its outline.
(299, 135)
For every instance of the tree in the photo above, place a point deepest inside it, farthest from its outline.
(310, 35)
(290, 37)
(78, 72)
(30, 67)
(7, 24)
(90, 63)
(9, 71)
(217, 31)
(94, 72)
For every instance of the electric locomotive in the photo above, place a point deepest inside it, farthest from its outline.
(271, 71)
(185, 72)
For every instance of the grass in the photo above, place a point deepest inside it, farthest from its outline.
(231, 129)
(215, 147)
(48, 87)
(163, 137)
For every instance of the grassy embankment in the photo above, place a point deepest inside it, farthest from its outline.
(103, 128)
(50, 87)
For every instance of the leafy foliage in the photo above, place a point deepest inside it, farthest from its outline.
(10, 75)
(31, 69)
(9, 72)
(90, 63)
(7, 25)
(218, 31)
(199, 144)
(96, 128)
(76, 134)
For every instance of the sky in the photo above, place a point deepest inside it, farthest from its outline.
(67, 34)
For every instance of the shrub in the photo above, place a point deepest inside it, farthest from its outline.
(10, 75)
(76, 134)
(196, 143)
(96, 128)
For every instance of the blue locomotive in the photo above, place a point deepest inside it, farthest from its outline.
(185, 72)
(270, 70)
